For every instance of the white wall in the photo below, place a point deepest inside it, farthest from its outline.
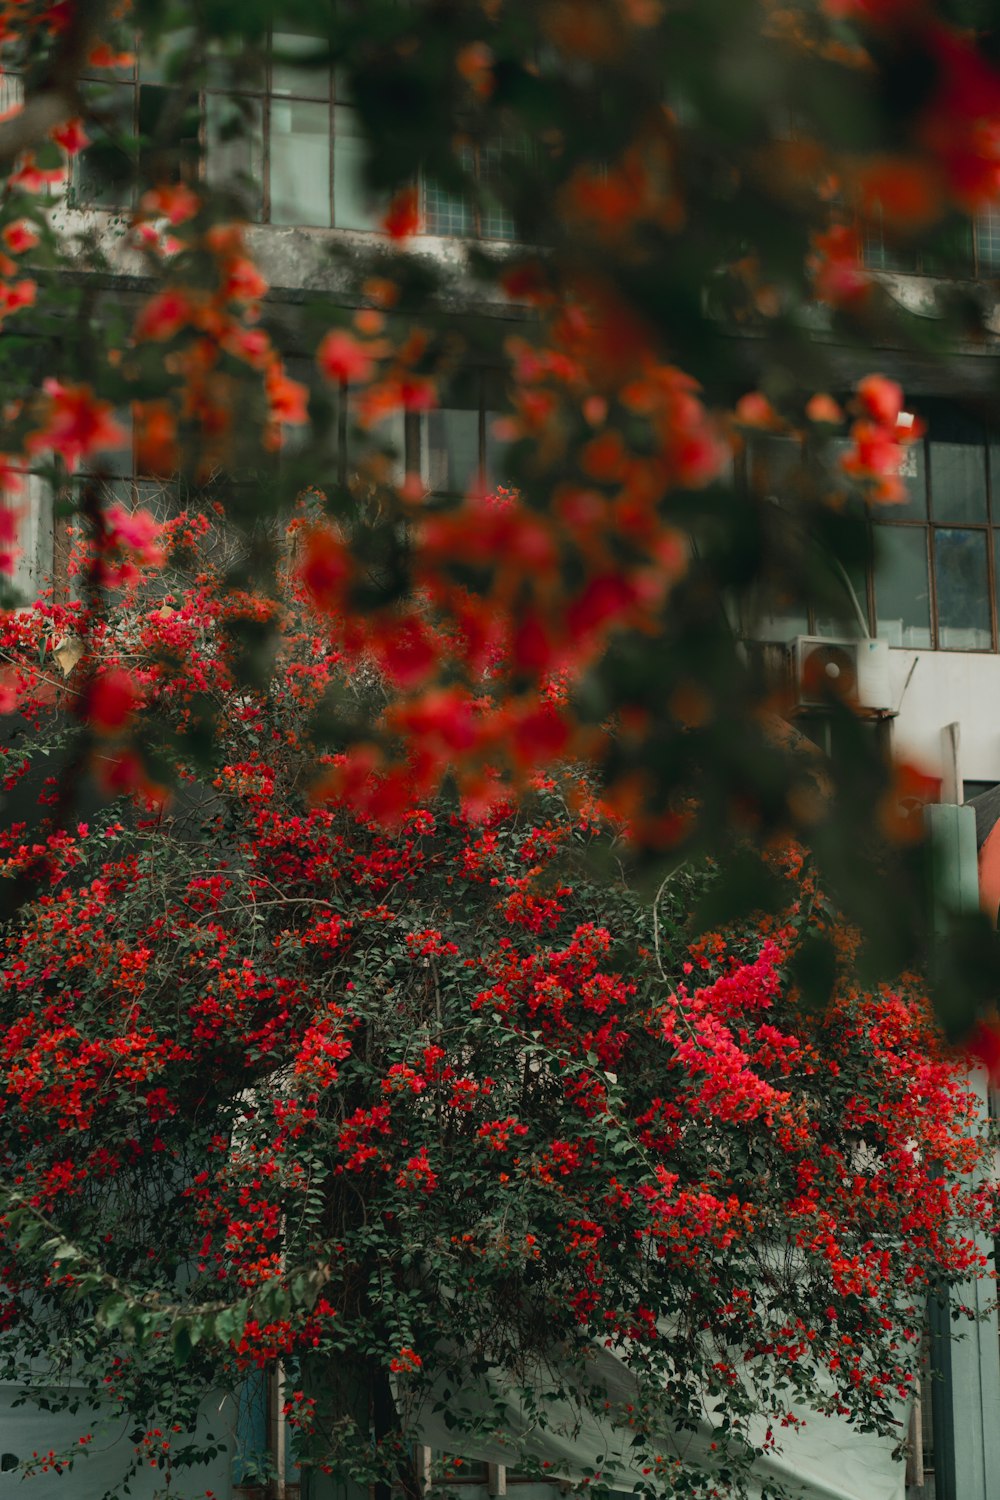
(933, 689)
(100, 1467)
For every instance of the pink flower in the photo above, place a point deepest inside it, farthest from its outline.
(136, 529)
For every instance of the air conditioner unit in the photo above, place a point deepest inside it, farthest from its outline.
(857, 671)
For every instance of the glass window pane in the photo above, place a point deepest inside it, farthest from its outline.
(288, 76)
(445, 214)
(902, 593)
(160, 496)
(883, 253)
(11, 92)
(355, 206)
(380, 449)
(235, 149)
(450, 448)
(497, 223)
(988, 241)
(161, 61)
(126, 44)
(963, 605)
(300, 163)
(35, 534)
(913, 472)
(949, 251)
(772, 464)
(102, 174)
(115, 461)
(853, 606)
(168, 127)
(252, 1430)
(449, 213)
(958, 466)
(497, 406)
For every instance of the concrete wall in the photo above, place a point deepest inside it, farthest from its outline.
(934, 689)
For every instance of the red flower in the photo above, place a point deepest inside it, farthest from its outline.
(755, 410)
(104, 56)
(243, 282)
(325, 567)
(138, 530)
(984, 1047)
(961, 127)
(34, 178)
(155, 437)
(405, 1360)
(881, 398)
(342, 358)
(838, 274)
(164, 315)
(475, 63)
(176, 203)
(402, 217)
(287, 399)
(823, 408)
(871, 10)
(21, 294)
(250, 344)
(407, 651)
(71, 137)
(19, 237)
(111, 701)
(540, 735)
(76, 424)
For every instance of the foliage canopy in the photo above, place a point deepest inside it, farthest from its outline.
(689, 187)
(356, 1025)
(444, 1118)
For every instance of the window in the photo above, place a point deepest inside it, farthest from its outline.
(142, 127)
(33, 535)
(960, 247)
(935, 579)
(457, 450)
(485, 218)
(285, 143)
(283, 140)
(442, 1472)
(936, 557)
(773, 468)
(452, 447)
(290, 140)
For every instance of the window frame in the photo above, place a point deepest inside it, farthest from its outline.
(983, 227)
(884, 517)
(478, 212)
(989, 527)
(262, 94)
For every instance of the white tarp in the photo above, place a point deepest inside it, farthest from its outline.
(823, 1459)
(27, 1429)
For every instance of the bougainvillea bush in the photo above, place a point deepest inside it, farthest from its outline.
(430, 1102)
(647, 234)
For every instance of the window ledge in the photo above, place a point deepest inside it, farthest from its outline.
(295, 258)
